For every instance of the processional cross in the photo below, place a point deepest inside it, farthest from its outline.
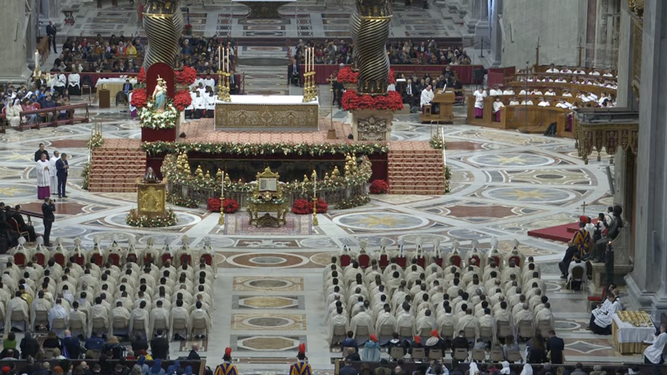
(583, 206)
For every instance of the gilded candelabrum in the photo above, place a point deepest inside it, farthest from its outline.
(223, 86)
(309, 86)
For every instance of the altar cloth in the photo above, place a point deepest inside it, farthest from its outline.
(267, 112)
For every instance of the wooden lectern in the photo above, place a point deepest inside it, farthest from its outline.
(445, 100)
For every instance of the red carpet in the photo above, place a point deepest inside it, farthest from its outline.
(562, 233)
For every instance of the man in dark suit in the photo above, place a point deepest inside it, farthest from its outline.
(233, 84)
(62, 168)
(348, 369)
(127, 86)
(72, 344)
(555, 347)
(48, 208)
(38, 153)
(294, 74)
(160, 346)
(193, 355)
(51, 32)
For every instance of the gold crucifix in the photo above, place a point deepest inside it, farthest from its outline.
(584, 207)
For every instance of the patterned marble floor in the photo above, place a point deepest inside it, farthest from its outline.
(268, 293)
(307, 18)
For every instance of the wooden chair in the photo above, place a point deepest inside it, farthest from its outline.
(15, 226)
(486, 334)
(435, 354)
(460, 354)
(504, 329)
(339, 333)
(479, 355)
(578, 274)
(470, 333)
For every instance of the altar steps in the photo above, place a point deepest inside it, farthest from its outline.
(115, 170)
(415, 168)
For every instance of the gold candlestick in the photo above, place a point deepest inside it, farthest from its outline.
(221, 220)
(315, 222)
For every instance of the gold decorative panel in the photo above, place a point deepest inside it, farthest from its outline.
(266, 117)
(151, 199)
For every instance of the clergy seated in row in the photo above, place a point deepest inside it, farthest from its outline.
(495, 91)
(601, 317)
(508, 91)
(544, 103)
(197, 108)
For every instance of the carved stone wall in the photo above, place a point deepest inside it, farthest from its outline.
(371, 125)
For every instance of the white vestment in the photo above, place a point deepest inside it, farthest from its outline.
(43, 173)
(52, 171)
(426, 97)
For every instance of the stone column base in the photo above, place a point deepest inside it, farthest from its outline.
(371, 124)
(654, 303)
(600, 273)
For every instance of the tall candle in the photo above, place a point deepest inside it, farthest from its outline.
(222, 190)
(444, 154)
(219, 57)
(36, 59)
(314, 184)
(228, 54)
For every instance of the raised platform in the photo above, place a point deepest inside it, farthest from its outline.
(562, 233)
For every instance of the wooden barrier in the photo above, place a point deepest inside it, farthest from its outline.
(525, 118)
(463, 72)
(55, 112)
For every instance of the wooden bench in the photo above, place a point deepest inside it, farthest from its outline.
(55, 121)
(544, 68)
(517, 86)
(531, 118)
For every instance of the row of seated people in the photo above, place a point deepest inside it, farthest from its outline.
(553, 69)
(583, 81)
(585, 96)
(109, 300)
(449, 299)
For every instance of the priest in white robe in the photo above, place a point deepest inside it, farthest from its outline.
(58, 312)
(180, 313)
(140, 318)
(43, 169)
(339, 319)
(77, 318)
(53, 170)
(362, 319)
(20, 306)
(200, 322)
(426, 97)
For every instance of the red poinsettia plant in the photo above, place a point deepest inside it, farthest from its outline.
(391, 79)
(141, 77)
(378, 187)
(139, 98)
(351, 101)
(182, 100)
(186, 76)
(229, 205)
(305, 206)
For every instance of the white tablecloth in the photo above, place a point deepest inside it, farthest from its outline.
(629, 333)
(114, 80)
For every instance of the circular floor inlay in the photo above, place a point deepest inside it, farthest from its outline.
(380, 221)
(510, 159)
(268, 322)
(529, 194)
(267, 343)
(268, 283)
(262, 260)
(550, 176)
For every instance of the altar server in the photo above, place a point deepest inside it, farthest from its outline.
(199, 105)
(426, 97)
(601, 317)
(43, 169)
(495, 91)
(480, 94)
(210, 104)
(653, 353)
(497, 105)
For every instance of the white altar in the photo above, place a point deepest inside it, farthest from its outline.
(267, 112)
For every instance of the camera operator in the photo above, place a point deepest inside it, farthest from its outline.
(48, 208)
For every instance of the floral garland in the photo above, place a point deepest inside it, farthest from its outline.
(143, 221)
(436, 142)
(353, 202)
(154, 148)
(351, 101)
(347, 75)
(152, 119)
(178, 176)
(85, 174)
(95, 141)
(183, 202)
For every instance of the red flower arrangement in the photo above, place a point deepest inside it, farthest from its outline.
(141, 77)
(186, 76)
(378, 187)
(139, 98)
(182, 100)
(347, 75)
(229, 205)
(353, 101)
(305, 206)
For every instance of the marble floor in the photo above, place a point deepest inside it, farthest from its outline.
(307, 18)
(268, 291)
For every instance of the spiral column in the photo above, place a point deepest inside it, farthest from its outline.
(163, 22)
(369, 26)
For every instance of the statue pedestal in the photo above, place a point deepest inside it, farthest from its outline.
(151, 198)
(371, 125)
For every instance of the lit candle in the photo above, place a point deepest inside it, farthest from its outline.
(227, 59)
(36, 59)
(314, 184)
(219, 56)
(222, 190)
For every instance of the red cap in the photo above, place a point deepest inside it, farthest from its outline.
(418, 340)
(434, 333)
(302, 348)
(5, 369)
(228, 351)
(374, 338)
(583, 219)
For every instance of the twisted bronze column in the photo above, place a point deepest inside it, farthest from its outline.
(163, 22)
(369, 26)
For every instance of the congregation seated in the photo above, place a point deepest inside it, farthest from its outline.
(433, 298)
(98, 295)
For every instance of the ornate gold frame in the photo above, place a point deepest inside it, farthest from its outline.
(267, 201)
